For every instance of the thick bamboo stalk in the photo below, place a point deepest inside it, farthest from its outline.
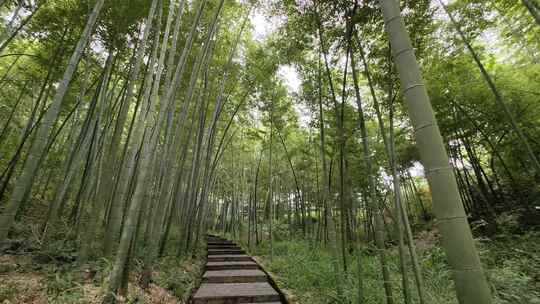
(458, 243)
(124, 175)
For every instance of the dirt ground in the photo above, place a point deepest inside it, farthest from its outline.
(19, 283)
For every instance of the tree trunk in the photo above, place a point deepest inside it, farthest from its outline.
(4, 41)
(25, 181)
(107, 181)
(377, 209)
(471, 284)
(372, 194)
(329, 220)
(498, 96)
(155, 224)
(5, 128)
(533, 9)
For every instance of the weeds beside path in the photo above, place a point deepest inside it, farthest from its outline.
(512, 266)
(33, 278)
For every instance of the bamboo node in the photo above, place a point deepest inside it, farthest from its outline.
(401, 52)
(435, 169)
(387, 21)
(416, 85)
(420, 127)
(474, 268)
(451, 218)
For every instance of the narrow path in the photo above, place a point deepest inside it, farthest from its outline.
(231, 276)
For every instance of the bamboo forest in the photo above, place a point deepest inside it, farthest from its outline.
(270, 151)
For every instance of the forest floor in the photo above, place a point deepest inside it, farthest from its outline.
(48, 272)
(40, 272)
(26, 279)
(34, 272)
(306, 273)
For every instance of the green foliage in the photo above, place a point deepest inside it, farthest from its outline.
(513, 266)
(501, 31)
(9, 291)
(62, 285)
(306, 271)
(67, 282)
(180, 276)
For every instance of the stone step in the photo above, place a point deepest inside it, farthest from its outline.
(235, 276)
(231, 265)
(222, 246)
(220, 243)
(225, 251)
(230, 247)
(210, 293)
(228, 258)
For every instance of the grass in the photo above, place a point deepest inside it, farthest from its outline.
(180, 276)
(512, 264)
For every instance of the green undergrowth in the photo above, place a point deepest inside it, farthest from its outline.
(180, 276)
(27, 281)
(306, 271)
(34, 272)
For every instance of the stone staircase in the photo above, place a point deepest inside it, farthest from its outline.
(231, 276)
